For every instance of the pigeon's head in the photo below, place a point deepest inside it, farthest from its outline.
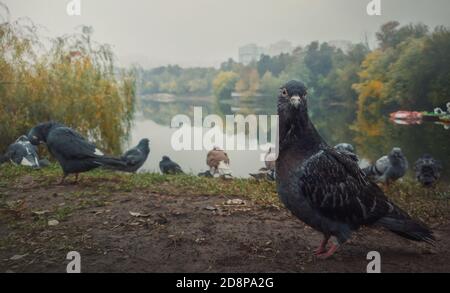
(427, 157)
(39, 133)
(292, 98)
(345, 147)
(396, 153)
(165, 158)
(144, 144)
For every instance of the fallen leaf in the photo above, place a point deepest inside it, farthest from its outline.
(235, 202)
(139, 215)
(18, 257)
(40, 213)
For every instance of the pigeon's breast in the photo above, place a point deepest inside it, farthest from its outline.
(289, 169)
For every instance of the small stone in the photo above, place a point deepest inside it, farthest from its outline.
(52, 223)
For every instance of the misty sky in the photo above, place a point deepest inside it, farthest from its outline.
(207, 32)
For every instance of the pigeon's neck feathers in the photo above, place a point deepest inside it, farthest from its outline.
(143, 145)
(396, 161)
(300, 132)
(45, 128)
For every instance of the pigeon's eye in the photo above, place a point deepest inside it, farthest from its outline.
(284, 93)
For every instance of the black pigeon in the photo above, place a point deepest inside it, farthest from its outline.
(135, 157)
(428, 170)
(325, 188)
(168, 166)
(73, 152)
(388, 168)
(22, 152)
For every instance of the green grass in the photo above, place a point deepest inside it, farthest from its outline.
(427, 204)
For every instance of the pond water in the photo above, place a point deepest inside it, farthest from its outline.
(336, 124)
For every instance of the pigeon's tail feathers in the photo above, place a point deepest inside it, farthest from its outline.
(408, 229)
(111, 162)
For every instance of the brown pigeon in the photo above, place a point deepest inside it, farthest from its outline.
(218, 162)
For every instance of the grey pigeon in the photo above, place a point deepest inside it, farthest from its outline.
(270, 160)
(72, 151)
(388, 168)
(206, 174)
(264, 174)
(168, 166)
(135, 157)
(325, 188)
(428, 170)
(22, 152)
(349, 150)
(345, 147)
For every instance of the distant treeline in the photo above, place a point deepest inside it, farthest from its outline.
(73, 82)
(410, 69)
(176, 80)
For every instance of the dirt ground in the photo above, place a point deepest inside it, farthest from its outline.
(141, 231)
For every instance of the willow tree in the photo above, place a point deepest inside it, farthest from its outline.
(74, 82)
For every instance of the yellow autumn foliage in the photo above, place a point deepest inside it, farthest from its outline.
(74, 82)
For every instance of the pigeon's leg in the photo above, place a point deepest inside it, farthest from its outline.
(76, 178)
(63, 179)
(323, 245)
(334, 246)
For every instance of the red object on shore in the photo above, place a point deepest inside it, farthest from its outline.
(407, 115)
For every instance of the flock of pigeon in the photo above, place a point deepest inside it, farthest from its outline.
(323, 186)
(393, 166)
(76, 155)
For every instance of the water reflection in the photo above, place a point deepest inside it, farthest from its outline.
(372, 136)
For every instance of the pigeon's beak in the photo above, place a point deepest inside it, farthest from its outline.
(296, 101)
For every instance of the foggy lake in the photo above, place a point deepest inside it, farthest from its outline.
(154, 118)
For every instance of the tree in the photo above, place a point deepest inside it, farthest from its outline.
(74, 83)
(224, 84)
(269, 84)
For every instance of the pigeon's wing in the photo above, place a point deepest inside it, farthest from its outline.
(382, 164)
(71, 145)
(337, 189)
(133, 156)
(215, 157)
(174, 166)
(16, 152)
(10, 152)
